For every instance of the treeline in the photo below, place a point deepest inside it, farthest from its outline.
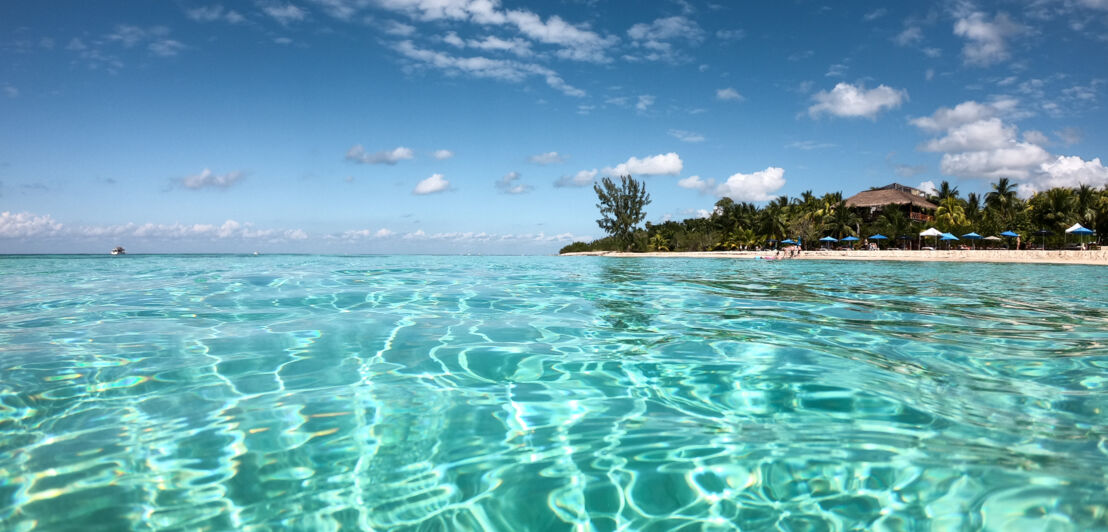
(740, 226)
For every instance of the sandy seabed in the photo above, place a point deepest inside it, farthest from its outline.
(1097, 257)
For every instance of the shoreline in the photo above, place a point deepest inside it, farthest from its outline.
(1050, 256)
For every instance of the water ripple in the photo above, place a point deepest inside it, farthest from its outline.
(467, 393)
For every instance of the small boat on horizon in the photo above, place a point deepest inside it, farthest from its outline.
(118, 250)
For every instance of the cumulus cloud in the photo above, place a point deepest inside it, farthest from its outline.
(855, 101)
(208, 179)
(964, 113)
(509, 184)
(442, 154)
(26, 225)
(757, 186)
(645, 101)
(729, 95)
(1071, 171)
(928, 187)
(987, 134)
(661, 164)
(987, 40)
(550, 157)
(977, 143)
(686, 136)
(483, 67)
(358, 154)
(431, 185)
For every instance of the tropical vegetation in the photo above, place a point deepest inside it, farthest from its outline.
(743, 226)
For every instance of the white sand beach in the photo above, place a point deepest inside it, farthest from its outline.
(1097, 257)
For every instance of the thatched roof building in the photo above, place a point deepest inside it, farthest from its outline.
(874, 200)
(894, 194)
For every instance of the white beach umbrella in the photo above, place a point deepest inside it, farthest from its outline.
(931, 231)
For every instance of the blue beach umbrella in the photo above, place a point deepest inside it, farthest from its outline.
(851, 239)
(828, 239)
(879, 236)
(948, 236)
(972, 236)
(1009, 234)
(788, 241)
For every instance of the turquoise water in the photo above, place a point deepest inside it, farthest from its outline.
(547, 393)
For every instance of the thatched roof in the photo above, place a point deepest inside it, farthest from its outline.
(887, 196)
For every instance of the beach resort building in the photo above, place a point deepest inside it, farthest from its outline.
(912, 201)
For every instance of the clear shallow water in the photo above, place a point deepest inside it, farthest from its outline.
(450, 393)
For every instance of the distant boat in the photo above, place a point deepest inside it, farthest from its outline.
(119, 251)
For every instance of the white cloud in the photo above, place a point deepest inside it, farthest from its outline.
(661, 164)
(483, 67)
(296, 234)
(928, 187)
(665, 29)
(358, 154)
(580, 179)
(213, 14)
(987, 134)
(656, 39)
(431, 185)
(27, 225)
(686, 136)
(550, 157)
(730, 35)
(645, 101)
(729, 94)
(875, 14)
(855, 101)
(758, 186)
(987, 40)
(1072, 171)
(165, 47)
(284, 13)
(10, 91)
(207, 179)
(964, 113)
(442, 154)
(576, 42)
(911, 35)
(509, 184)
(694, 182)
(1036, 137)
(399, 29)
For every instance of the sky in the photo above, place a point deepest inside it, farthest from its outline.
(479, 126)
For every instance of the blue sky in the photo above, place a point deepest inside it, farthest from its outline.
(478, 126)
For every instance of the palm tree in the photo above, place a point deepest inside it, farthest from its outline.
(946, 191)
(1002, 202)
(842, 220)
(893, 222)
(1054, 209)
(774, 220)
(1086, 199)
(950, 215)
(972, 209)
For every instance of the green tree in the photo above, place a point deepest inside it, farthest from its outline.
(1002, 204)
(621, 207)
(950, 216)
